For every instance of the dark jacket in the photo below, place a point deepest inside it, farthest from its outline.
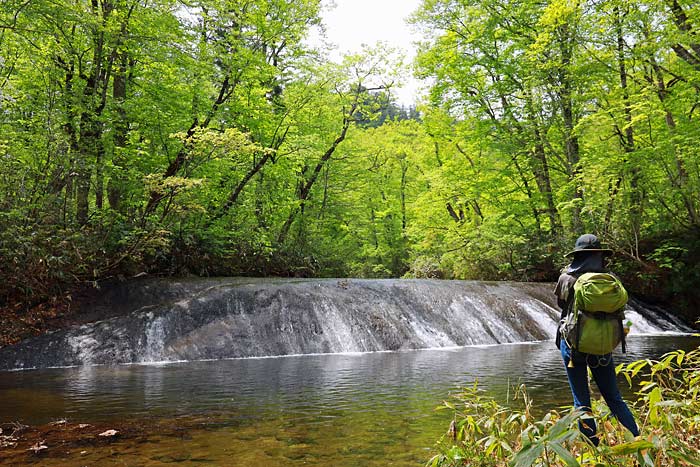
(564, 292)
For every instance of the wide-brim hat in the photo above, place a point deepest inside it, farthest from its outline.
(589, 243)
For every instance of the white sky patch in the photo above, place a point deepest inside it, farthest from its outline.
(352, 23)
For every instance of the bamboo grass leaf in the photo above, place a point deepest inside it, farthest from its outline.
(564, 455)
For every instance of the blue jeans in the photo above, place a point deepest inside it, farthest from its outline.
(603, 370)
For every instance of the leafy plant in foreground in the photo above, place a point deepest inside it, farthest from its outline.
(486, 433)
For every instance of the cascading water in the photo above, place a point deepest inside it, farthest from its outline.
(229, 318)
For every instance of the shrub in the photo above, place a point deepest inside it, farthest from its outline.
(486, 433)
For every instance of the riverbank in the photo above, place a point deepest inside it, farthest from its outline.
(66, 442)
(61, 439)
(82, 305)
(20, 320)
(94, 302)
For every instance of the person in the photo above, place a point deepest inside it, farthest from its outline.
(588, 256)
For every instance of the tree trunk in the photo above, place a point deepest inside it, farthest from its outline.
(233, 197)
(680, 178)
(116, 181)
(225, 91)
(627, 142)
(404, 169)
(540, 169)
(306, 186)
(690, 54)
(571, 144)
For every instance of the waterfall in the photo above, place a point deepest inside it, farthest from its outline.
(169, 320)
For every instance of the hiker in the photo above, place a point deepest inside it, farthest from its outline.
(589, 257)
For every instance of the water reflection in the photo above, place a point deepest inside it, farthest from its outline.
(316, 410)
(401, 382)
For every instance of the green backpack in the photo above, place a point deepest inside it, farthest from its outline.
(594, 325)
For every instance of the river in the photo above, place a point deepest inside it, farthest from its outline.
(363, 409)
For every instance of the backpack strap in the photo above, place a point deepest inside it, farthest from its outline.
(623, 337)
(578, 329)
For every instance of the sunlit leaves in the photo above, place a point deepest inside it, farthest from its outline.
(667, 414)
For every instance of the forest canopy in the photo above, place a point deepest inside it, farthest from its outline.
(208, 137)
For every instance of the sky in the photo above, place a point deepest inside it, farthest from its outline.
(352, 23)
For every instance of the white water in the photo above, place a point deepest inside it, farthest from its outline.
(263, 318)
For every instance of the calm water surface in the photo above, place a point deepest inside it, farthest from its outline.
(372, 409)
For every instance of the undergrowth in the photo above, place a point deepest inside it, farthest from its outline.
(486, 433)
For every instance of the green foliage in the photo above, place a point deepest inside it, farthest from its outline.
(559, 118)
(209, 138)
(485, 433)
